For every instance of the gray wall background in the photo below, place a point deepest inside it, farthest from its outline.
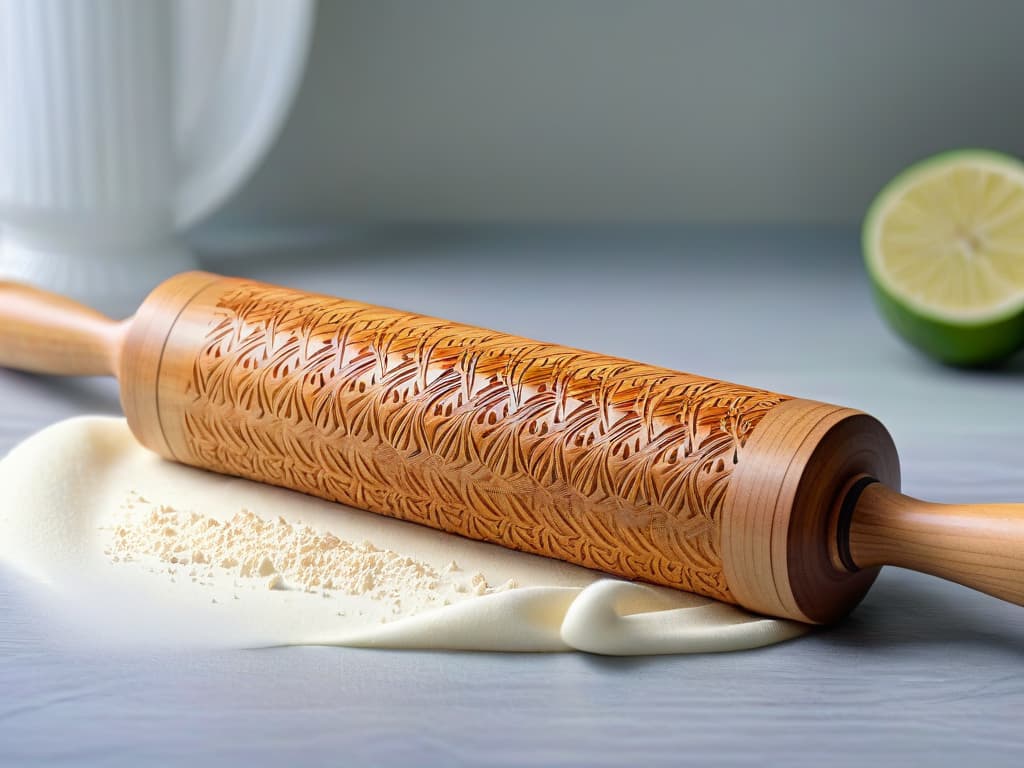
(591, 110)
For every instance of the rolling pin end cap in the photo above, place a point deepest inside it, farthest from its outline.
(147, 344)
(783, 511)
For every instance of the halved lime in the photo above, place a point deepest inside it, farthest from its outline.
(944, 247)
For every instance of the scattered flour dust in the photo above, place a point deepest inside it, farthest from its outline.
(279, 555)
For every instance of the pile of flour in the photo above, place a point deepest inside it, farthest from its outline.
(251, 552)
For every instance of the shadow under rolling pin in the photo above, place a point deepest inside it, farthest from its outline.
(785, 506)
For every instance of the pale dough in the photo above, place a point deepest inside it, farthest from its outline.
(61, 489)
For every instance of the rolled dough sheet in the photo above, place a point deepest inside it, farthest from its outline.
(63, 491)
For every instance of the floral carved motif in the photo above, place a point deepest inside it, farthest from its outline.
(599, 461)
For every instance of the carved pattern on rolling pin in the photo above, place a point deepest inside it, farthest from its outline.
(612, 464)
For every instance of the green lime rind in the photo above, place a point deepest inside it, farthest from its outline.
(954, 344)
(979, 340)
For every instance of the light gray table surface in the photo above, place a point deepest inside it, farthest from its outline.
(923, 672)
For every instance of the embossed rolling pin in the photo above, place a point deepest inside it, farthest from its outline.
(785, 506)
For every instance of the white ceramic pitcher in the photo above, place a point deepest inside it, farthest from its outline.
(124, 121)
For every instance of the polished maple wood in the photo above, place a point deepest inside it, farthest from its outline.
(978, 545)
(600, 461)
(45, 333)
(730, 491)
(780, 533)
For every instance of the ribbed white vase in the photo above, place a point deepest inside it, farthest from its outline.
(91, 179)
(87, 144)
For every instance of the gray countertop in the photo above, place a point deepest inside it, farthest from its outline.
(922, 672)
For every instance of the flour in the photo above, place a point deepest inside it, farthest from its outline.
(280, 555)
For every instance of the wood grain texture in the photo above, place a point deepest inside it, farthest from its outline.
(779, 533)
(600, 461)
(642, 472)
(729, 491)
(46, 333)
(979, 546)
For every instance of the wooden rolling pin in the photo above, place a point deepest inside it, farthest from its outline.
(785, 506)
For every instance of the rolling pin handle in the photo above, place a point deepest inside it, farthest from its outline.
(977, 545)
(42, 332)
